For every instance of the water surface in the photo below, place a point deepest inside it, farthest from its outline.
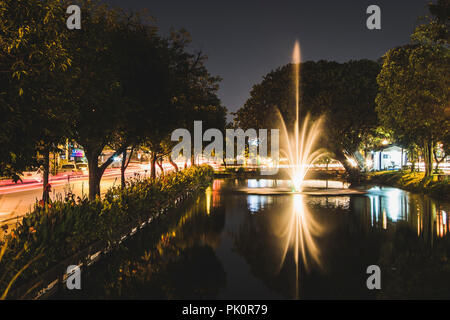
(227, 244)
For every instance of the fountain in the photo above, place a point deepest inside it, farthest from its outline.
(299, 228)
(296, 228)
(298, 146)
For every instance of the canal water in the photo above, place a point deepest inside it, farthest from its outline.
(231, 244)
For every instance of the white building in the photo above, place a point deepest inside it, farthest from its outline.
(389, 158)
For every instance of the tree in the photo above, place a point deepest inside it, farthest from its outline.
(114, 83)
(196, 89)
(95, 89)
(341, 93)
(143, 70)
(33, 59)
(193, 96)
(346, 99)
(415, 89)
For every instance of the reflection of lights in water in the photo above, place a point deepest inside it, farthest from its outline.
(298, 226)
(374, 209)
(217, 184)
(260, 183)
(388, 202)
(441, 221)
(208, 200)
(252, 183)
(253, 203)
(330, 184)
(418, 224)
(342, 202)
(394, 198)
(257, 202)
(298, 232)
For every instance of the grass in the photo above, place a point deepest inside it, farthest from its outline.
(413, 181)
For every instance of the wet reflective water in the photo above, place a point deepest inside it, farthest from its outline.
(230, 245)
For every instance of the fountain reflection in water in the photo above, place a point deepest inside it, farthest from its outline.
(298, 229)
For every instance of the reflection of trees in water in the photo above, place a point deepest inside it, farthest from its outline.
(173, 258)
(277, 244)
(254, 241)
(412, 254)
(197, 274)
(192, 272)
(415, 267)
(345, 248)
(412, 269)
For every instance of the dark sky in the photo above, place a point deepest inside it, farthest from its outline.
(246, 39)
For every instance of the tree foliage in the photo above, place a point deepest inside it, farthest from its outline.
(413, 98)
(114, 83)
(342, 93)
(33, 60)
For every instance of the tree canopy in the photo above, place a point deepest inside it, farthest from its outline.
(115, 82)
(414, 87)
(342, 93)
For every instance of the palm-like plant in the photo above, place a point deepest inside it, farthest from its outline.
(17, 274)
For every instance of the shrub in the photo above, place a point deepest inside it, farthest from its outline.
(59, 230)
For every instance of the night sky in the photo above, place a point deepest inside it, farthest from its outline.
(246, 39)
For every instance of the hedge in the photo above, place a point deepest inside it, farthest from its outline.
(49, 234)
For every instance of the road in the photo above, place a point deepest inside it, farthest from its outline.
(17, 199)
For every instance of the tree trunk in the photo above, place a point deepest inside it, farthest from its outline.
(46, 173)
(96, 172)
(94, 177)
(412, 157)
(122, 169)
(174, 165)
(124, 165)
(354, 173)
(192, 159)
(159, 163)
(153, 166)
(413, 165)
(428, 157)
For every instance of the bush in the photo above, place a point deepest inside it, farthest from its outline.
(63, 228)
